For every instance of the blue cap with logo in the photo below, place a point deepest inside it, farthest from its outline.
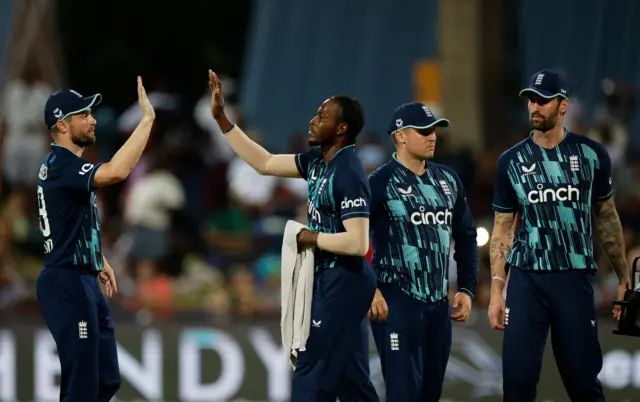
(414, 115)
(547, 84)
(66, 102)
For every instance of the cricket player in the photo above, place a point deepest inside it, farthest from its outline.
(73, 306)
(553, 180)
(336, 360)
(417, 208)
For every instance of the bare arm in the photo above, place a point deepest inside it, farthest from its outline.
(501, 245)
(610, 230)
(256, 156)
(355, 241)
(251, 152)
(127, 157)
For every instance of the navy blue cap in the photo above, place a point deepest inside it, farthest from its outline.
(66, 102)
(414, 115)
(547, 84)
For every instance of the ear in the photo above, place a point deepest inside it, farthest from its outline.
(564, 105)
(400, 138)
(342, 129)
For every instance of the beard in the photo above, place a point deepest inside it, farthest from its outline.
(547, 123)
(83, 140)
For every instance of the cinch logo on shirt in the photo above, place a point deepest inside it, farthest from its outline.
(313, 212)
(539, 195)
(432, 218)
(358, 202)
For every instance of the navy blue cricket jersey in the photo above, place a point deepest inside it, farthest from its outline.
(69, 219)
(553, 190)
(413, 219)
(337, 190)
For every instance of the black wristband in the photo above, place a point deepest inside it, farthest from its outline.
(229, 129)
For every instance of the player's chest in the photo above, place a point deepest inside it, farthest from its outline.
(567, 178)
(428, 201)
(320, 187)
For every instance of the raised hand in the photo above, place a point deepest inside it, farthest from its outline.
(217, 100)
(147, 110)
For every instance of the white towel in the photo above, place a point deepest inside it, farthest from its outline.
(297, 292)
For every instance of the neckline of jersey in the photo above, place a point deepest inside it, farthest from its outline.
(63, 147)
(564, 137)
(352, 146)
(426, 166)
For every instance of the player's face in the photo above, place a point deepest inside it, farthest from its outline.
(543, 113)
(82, 128)
(421, 142)
(324, 127)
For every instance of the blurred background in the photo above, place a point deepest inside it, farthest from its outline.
(194, 234)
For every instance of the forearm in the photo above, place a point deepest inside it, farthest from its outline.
(499, 250)
(344, 243)
(247, 149)
(129, 154)
(611, 237)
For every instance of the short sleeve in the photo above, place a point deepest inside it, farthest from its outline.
(602, 182)
(352, 194)
(78, 173)
(304, 159)
(504, 196)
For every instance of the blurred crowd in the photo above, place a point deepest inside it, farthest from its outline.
(194, 228)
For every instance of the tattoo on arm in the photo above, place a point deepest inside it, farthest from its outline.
(611, 237)
(501, 242)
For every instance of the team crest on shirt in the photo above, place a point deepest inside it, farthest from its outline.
(445, 187)
(42, 175)
(574, 163)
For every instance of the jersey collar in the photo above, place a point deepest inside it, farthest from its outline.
(426, 166)
(564, 137)
(344, 150)
(55, 147)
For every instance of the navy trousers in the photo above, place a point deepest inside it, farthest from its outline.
(335, 363)
(77, 314)
(414, 344)
(562, 301)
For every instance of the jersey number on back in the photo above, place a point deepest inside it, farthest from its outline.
(44, 221)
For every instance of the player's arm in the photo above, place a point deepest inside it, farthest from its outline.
(612, 239)
(500, 248)
(608, 223)
(352, 195)
(505, 205)
(354, 241)
(108, 278)
(251, 152)
(127, 157)
(466, 245)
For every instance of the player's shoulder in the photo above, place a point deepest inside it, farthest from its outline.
(383, 173)
(58, 163)
(587, 142)
(347, 159)
(512, 153)
(444, 170)
(314, 154)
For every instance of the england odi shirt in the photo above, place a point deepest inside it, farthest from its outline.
(553, 191)
(338, 190)
(414, 219)
(67, 210)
